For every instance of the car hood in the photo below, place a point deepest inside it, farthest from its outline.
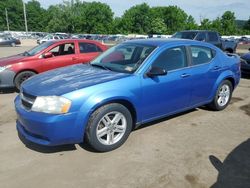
(11, 60)
(64, 80)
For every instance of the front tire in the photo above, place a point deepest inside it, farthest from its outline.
(21, 77)
(222, 97)
(108, 127)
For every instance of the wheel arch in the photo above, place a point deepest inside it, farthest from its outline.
(227, 75)
(232, 80)
(129, 105)
(23, 70)
(230, 50)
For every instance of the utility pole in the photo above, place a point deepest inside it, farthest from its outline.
(7, 19)
(25, 18)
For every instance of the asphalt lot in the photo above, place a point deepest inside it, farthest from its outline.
(196, 149)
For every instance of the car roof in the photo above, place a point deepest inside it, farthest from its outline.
(74, 40)
(197, 31)
(166, 42)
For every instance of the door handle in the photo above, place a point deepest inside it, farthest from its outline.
(185, 75)
(216, 67)
(74, 58)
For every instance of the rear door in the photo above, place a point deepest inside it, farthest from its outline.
(88, 51)
(206, 69)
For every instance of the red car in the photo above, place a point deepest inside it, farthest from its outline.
(50, 55)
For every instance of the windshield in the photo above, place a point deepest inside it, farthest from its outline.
(185, 35)
(38, 48)
(125, 58)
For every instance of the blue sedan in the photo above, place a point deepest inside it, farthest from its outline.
(128, 85)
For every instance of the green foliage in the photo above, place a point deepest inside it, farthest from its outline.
(228, 23)
(99, 18)
(77, 16)
(158, 26)
(247, 25)
(35, 16)
(205, 24)
(137, 19)
(15, 14)
(190, 23)
(175, 19)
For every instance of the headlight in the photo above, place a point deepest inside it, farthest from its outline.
(51, 105)
(4, 67)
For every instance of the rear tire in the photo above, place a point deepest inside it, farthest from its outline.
(222, 97)
(21, 77)
(108, 127)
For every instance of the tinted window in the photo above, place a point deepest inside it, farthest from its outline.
(88, 48)
(213, 37)
(201, 55)
(171, 59)
(201, 37)
(185, 35)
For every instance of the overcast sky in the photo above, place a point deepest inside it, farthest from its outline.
(197, 8)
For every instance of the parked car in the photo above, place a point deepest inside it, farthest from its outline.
(244, 40)
(130, 84)
(9, 41)
(49, 38)
(50, 55)
(211, 37)
(245, 64)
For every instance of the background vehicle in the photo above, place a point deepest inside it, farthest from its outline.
(211, 37)
(245, 64)
(49, 38)
(9, 41)
(50, 55)
(244, 40)
(130, 84)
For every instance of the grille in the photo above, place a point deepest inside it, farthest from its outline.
(27, 100)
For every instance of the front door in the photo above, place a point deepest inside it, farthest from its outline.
(63, 55)
(170, 93)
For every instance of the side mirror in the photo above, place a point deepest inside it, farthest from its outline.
(156, 71)
(47, 55)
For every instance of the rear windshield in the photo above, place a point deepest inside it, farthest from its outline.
(185, 35)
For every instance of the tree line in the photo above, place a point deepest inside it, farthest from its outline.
(77, 16)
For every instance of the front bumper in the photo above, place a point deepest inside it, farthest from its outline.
(48, 129)
(7, 79)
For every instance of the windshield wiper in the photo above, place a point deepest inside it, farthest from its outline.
(100, 65)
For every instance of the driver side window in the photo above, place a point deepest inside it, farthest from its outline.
(172, 59)
(63, 49)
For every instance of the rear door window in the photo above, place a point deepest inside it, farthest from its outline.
(89, 48)
(201, 55)
(201, 37)
(212, 37)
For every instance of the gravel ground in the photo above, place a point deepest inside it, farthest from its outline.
(196, 149)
